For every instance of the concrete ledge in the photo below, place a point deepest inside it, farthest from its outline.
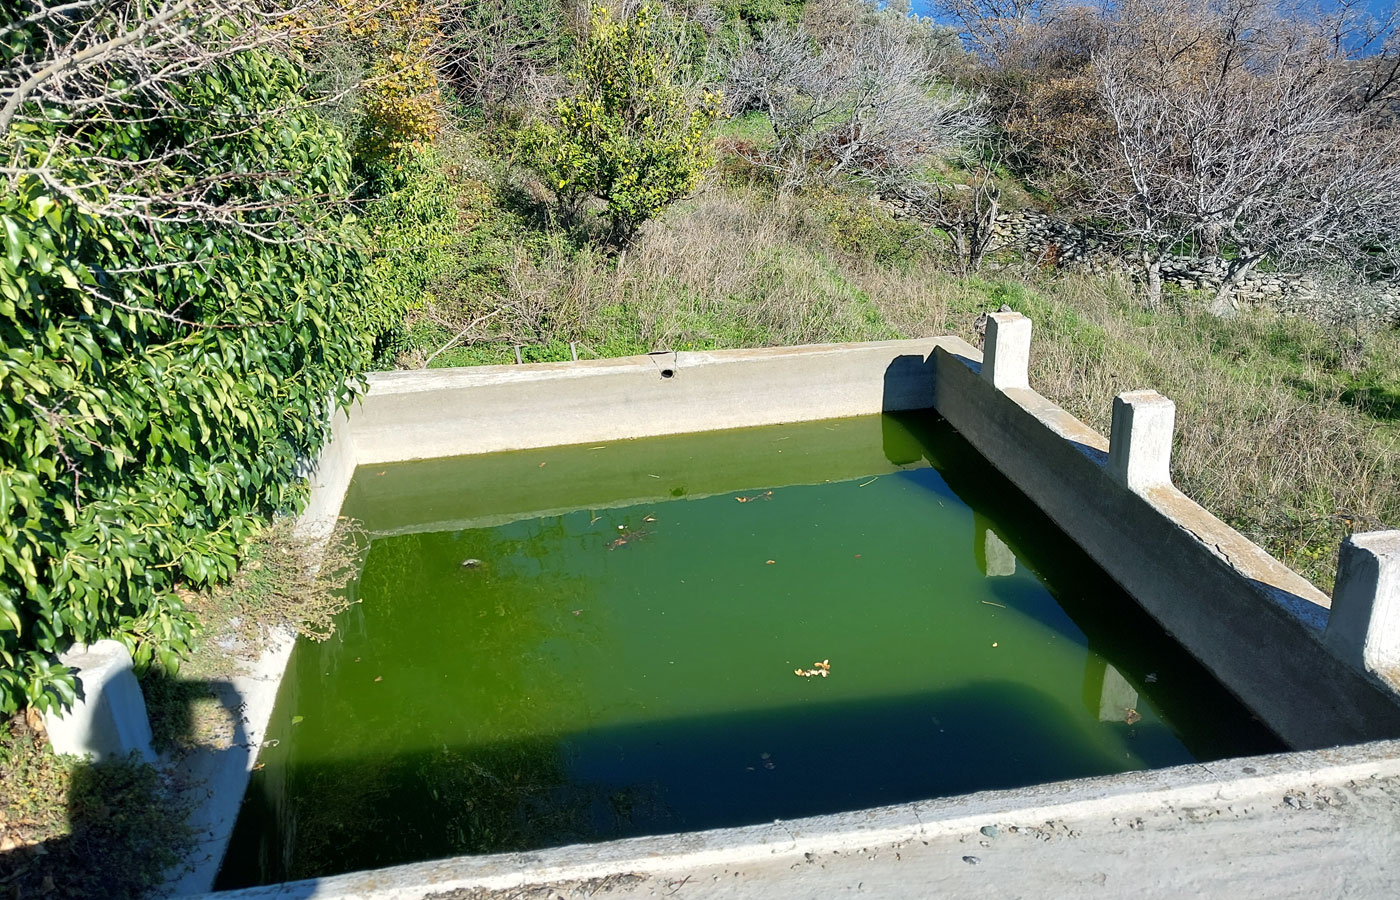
(453, 412)
(1253, 622)
(435, 413)
(1230, 781)
(218, 779)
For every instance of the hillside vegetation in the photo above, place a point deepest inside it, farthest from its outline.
(217, 223)
(851, 192)
(218, 217)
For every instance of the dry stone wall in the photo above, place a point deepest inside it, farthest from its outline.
(1057, 242)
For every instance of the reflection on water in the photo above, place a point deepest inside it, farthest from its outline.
(622, 663)
(994, 558)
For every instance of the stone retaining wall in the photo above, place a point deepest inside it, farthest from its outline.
(1064, 244)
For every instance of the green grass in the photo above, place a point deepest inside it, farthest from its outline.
(753, 127)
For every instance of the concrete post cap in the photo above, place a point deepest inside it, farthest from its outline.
(1381, 543)
(1140, 441)
(97, 658)
(1007, 356)
(1144, 397)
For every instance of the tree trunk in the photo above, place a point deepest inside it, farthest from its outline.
(957, 233)
(1152, 266)
(983, 227)
(1225, 304)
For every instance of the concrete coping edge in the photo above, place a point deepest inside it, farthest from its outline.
(1227, 780)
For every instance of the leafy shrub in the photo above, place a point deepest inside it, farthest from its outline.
(163, 377)
(630, 135)
(412, 224)
(862, 229)
(382, 55)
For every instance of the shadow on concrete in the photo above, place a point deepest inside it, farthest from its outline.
(123, 830)
(192, 715)
(908, 383)
(198, 725)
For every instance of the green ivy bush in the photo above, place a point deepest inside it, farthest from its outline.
(411, 218)
(163, 378)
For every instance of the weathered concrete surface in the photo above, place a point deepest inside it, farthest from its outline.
(1008, 356)
(437, 413)
(108, 721)
(1321, 824)
(452, 412)
(327, 479)
(1252, 621)
(1140, 441)
(213, 782)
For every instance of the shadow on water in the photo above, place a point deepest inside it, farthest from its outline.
(717, 771)
(1011, 534)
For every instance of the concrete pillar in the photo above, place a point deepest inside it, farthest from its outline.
(1363, 629)
(1117, 698)
(1006, 357)
(110, 719)
(1140, 443)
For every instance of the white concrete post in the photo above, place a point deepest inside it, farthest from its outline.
(110, 719)
(1140, 442)
(1363, 629)
(1006, 358)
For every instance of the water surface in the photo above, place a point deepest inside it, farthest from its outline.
(621, 661)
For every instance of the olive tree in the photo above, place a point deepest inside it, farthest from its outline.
(866, 102)
(1232, 132)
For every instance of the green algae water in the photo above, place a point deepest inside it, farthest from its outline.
(708, 630)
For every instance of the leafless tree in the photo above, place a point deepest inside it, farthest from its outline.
(1369, 44)
(867, 102)
(1232, 129)
(965, 210)
(496, 48)
(993, 27)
